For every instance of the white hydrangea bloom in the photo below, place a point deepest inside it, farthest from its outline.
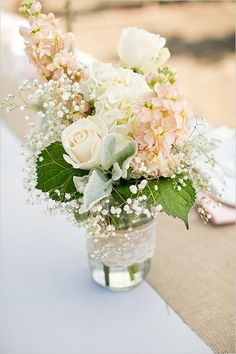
(114, 91)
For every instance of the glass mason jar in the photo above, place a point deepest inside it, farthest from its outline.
(122, 261)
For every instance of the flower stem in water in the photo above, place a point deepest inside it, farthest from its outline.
(106, 270)
(132, 270)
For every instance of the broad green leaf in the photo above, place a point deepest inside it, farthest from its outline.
(174, 202)
(97, 188)
(55, 174)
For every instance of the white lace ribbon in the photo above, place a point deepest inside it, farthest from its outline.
(126, 247)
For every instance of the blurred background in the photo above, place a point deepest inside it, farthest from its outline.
(200, 36)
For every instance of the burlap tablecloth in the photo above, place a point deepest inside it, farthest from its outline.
(194, 271)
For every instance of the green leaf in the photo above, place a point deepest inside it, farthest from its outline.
(55, 174)
(121, 192)
(108, 151)
(97, 188)
(123, 159)
(80, 217)
(176, 203)
(117, 152)
(116, 172)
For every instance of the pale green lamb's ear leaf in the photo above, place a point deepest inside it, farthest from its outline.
(123, 159)
(97, 188)
(80, 183)
(108, 151)
(116, 172)
(117, 149)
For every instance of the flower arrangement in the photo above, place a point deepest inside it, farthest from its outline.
(111, 144)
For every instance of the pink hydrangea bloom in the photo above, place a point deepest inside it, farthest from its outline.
(162, 118)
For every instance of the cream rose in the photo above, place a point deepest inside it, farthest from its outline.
(82, 141)
(142, 50)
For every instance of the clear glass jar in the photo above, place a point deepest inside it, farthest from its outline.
(122, 261)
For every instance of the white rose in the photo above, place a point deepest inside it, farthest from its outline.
(142, 50)
(82, 141)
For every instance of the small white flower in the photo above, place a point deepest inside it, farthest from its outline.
(113, 210)
(126, 208)
(143, 184)
(158, 208)
(146, 212)
(66, 96)
(60, 114)
(39, 92)
(118, 211)
(133, 189)
(41, 114)
(99, 208)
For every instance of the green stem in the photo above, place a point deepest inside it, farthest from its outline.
(68, 15)
(131, 273)
(69, 19)
(106, 270)
(132, 270)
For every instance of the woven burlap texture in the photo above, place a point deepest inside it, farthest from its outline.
(194, 271)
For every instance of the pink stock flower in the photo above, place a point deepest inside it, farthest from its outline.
(162, 118)
(63, 63)
(47, 48)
